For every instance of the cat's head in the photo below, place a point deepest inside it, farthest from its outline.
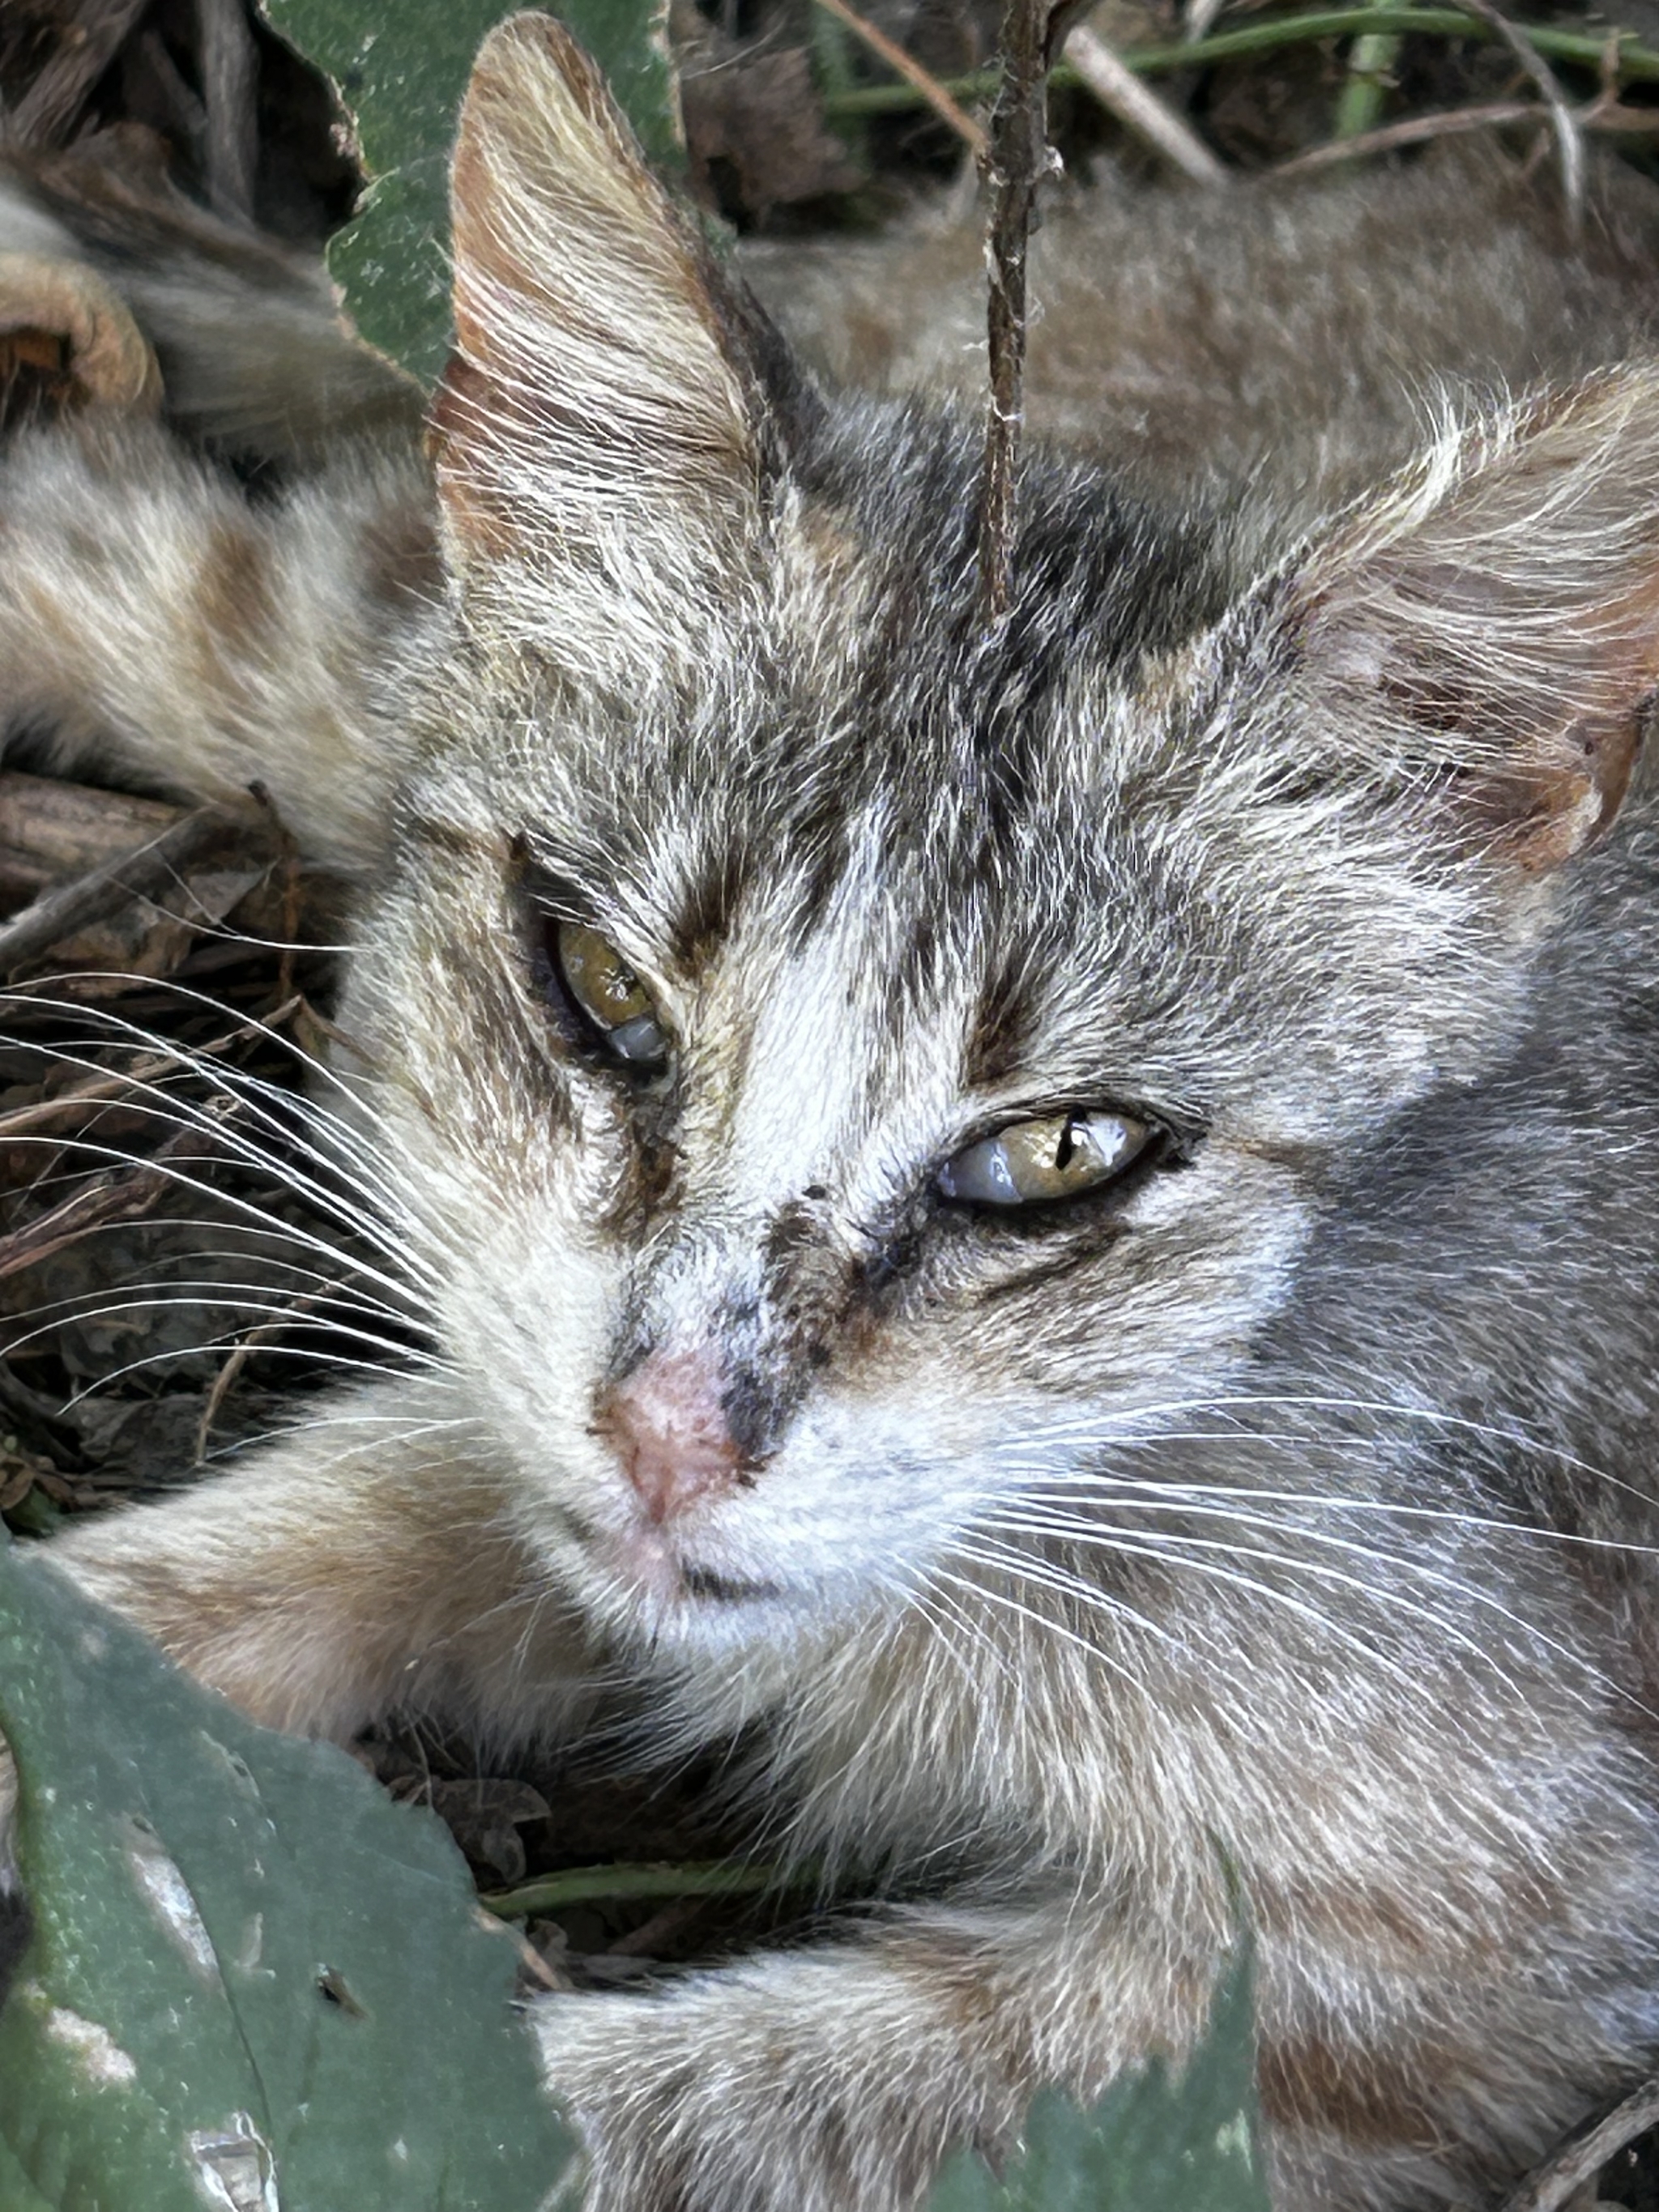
(853, 1067)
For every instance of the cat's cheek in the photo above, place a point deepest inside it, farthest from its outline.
(1207, 1256)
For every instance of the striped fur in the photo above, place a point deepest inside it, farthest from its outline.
(1274, 1523)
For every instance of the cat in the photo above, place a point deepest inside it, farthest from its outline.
(1054, 1228)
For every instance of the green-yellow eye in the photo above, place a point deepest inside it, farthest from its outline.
(607, 991)
(1037, 1163)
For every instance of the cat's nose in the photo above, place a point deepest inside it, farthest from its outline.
(669, 1431)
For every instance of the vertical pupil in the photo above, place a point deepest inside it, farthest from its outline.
(1065, 1148)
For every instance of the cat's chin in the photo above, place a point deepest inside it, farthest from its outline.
(650, 1570)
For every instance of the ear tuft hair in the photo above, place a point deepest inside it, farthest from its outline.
(597, 432)
(1497, 613)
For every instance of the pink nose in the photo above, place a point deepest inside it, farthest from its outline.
(670, 1433)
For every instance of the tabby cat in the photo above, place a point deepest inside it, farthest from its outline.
(1054, 1229)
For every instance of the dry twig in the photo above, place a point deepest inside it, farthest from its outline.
(225, 1381)
(1138, 109)
(1602, 114)
(1568, 142)
(1636, 63)
(914, 74)
(1553, 2186)
(123, 1196)
(1020, 158)
(103, 890)
(1414, 130)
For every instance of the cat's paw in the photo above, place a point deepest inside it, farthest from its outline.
(788, 2084)
(63, 326)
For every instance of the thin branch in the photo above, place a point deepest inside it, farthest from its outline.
(225, 1381)
(1608, 116)
(1636, 63)
(106, 889)
(1120, 91)
(126, 1196)
(1412, 130)
(1020, 158)
(924, 83)
(93, 1092)
(1568, 144)
(1551, 2186)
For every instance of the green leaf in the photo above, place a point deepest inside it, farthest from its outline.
(1150, 2145)
(400, 67)
(249, 1969)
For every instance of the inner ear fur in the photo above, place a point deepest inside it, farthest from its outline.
(1491, 623)
(602, 422)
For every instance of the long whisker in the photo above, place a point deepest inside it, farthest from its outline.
(1103, 1429)
(370, 1225)
(1176, 1547)
(987, 1593)
(307, 1356)
(257, 1306)
(395, 1427)
(1174, 1552)
(295, 1114)
(931, 1600)
(1049, 1574)
(328, 1292)
(183, 1059)
(248, 1209)
(1151, 1495)
(23, 995)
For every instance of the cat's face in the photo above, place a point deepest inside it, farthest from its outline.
(853, 1071)
(905, 1069)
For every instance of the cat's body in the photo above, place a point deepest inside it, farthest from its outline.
(1260, 1522)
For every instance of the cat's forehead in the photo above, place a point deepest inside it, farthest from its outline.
(916, 900)
(869, 707)
(972, 817)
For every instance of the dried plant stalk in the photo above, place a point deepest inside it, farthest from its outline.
(1020, 157)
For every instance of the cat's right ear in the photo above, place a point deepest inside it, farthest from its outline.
(604, 436)
(1483, 639)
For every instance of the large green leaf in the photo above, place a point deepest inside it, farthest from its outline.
(250, 1971)
(401, 67)
(1151, 2144)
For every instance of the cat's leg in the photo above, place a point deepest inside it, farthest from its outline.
(155, 623)
(823, 2081)
(363, 1563)
(836, 2079)
(155, 617)
(244, 336)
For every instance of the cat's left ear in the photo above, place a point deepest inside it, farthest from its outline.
(607, 433)
(1486, 636)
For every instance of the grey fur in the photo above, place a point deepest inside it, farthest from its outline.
(1282, 1514)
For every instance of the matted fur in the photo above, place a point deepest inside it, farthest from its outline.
(1276, 1524)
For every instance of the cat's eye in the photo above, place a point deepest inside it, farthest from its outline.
(606, 989)
(1034, 1163)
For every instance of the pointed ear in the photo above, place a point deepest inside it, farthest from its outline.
(602, 439)
(1489, 632)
